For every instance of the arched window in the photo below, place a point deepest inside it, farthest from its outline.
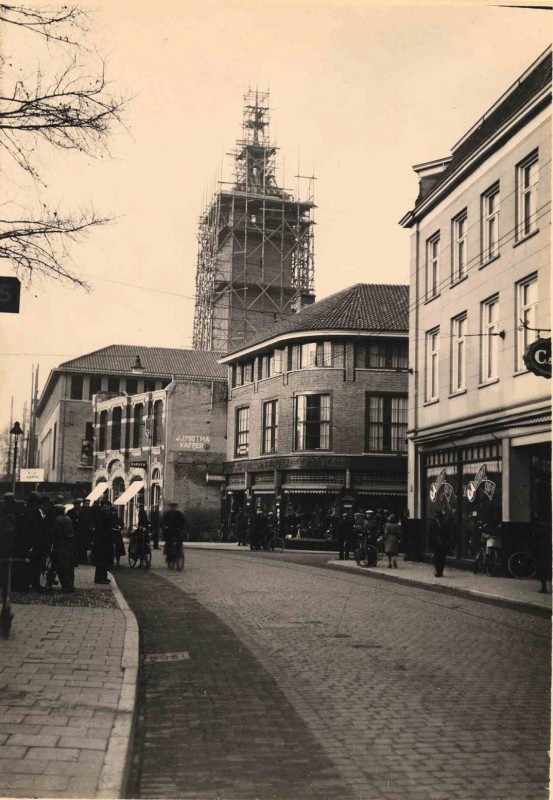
(116, 428)
(156, 475)
(158, 423)
(103, 429)
(138, 425)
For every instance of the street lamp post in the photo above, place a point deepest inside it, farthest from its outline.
(16, 432)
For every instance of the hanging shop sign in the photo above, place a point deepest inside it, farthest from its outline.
(441, 485)
(480, 479)
(537, 358)
(10, 291)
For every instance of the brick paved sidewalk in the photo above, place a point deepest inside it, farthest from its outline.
(67, 689)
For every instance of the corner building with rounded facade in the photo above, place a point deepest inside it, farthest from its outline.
(317, 413)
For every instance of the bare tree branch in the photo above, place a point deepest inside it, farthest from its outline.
(66, 25)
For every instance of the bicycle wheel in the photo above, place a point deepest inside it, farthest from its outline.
(373, 556)
(522, 565)
(276, 544)
(146, 559)
(133, 555)
(215, 535)
(492, 563)
(6, 617)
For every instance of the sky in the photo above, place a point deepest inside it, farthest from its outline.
(359, 92)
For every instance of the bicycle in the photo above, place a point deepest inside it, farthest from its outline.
(488, 555)
(371, 553)
(139, 549)
(47, 577)
(275, 544)
(522, 564)
(175, 556)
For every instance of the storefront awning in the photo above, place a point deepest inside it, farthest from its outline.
(98, 490)
(129, 493)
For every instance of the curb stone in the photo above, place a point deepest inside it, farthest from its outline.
(117, 761)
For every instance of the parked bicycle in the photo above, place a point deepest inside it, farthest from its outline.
(140, 554)
(274, 544)
(369, 551)
(522, 564)
(488, 556)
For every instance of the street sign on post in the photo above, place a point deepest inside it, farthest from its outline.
(35, 475)
(10, 290)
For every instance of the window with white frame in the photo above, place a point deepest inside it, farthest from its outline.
(526, 315)
(276, 367)
(489, 329)
(311, 354)
(432, 364)
(270, 426)
(386, 423)
(433, 266)
(312, 422)
(458, 353)
(490, 223)
(242, 431)
(527, 195)
(459, 247)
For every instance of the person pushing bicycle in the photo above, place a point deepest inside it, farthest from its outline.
(173, 528)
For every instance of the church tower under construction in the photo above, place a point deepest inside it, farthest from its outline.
(255, 244)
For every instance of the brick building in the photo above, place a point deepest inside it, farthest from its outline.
(65, 420)
(152, 448)
(479, 421)
(317, 412)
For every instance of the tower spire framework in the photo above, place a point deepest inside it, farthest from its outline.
(255, 262)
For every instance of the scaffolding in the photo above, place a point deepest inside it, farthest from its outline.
(255, 243)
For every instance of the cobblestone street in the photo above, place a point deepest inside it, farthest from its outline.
(289, 681)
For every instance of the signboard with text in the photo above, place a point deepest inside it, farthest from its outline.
(537, 358)
(188, 441)
(35, 475)
(10, 290)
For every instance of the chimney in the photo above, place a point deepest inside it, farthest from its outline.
(305, 299)
(429, 174)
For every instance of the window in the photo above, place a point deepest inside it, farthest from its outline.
(242, 431)
(312, 422)
(138, 425)
(458, 353)
(489, 328)
(87, 446)
(150, 385)
(386, 424)
(527, 196)
(103, 430)
(248, 372)
(432, 364)
(490, 224)
(278, 360)
(54, 442)
(313, 354)
(94, 386)
(113, 384)
(459, 247)
(265, 367)
(76, 387)
(157, 436)
(526, 314)
(132, 386)
(116, 428)
(270, 426)
(382, 355)
(433, 267)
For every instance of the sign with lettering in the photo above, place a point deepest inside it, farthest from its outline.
(480, 479)
(441, 484)
(188, 441)
(139, 464)
(31, 475)
(10, 290)
(537, 358)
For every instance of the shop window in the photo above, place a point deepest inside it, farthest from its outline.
(386, 424)
(270, 426)
(489, 330)
(132, 386)
(312, 422)
(526, 315)
(459, 247)
(432, 365)
(527, 196)
(138, 425)
(490, 223)
(157, 436)
(458, 353)
(433, 267)
(116, 428)
(76, 387)
(242, 431)
(94, 386)
(103, 430)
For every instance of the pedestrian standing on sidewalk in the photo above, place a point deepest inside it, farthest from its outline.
(346, 536)
(542, 553)
(116, 533)
(102, 544)
(154, 516)
(64, 549)
(391, 539)
(241, 528)
(438, 531)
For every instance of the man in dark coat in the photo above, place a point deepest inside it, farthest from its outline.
(63, 552)
(438, 529)
(542, 553)
(241, 527)
(102, 544)
(7, 537)
(345, 536)
(173, 522)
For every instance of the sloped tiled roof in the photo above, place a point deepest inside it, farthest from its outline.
(515, 101)
(157, 362)
(364, 306)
